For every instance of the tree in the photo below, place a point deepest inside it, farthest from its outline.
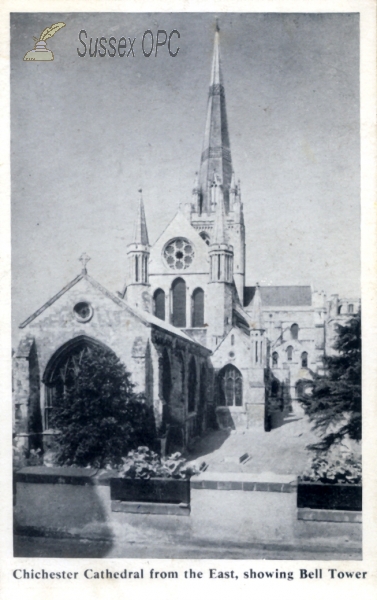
(98, 416)
(335, 403)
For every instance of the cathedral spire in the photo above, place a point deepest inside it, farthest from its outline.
(216, 156)
(141, 232)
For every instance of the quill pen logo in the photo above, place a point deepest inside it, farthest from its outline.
(41, 51)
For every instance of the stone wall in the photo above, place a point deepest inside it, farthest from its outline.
(231, 508)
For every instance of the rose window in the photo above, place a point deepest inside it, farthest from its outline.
(179, 253)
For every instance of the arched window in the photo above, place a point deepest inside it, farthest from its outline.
(62, 370)
(136, 269)
(192, 380)
(165, 388)
(179, 302)
(275, 388)
(294, 331)
(350, 308)
(289, 353)
(304, 359)
(230, 380)
(159, 304)
(340, 310)
(197, 308)
(202, 397)
(203, 387)
(165, 376)
(232, 339)
(275, 359)
(180, 377)
(145, 269)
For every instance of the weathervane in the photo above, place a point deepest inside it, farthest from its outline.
(84, 259)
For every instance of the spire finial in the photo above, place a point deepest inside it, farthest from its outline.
(84, 259)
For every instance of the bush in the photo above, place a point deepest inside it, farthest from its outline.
(338, 466)
(97, 415)
(334, 407)
(144, 464)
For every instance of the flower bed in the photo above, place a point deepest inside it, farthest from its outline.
(332, 481)
(145, 477)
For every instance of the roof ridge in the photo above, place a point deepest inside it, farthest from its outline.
(52, 300)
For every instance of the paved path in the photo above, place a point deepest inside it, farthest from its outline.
(282, 450)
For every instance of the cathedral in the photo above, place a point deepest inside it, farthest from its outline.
(205, 349)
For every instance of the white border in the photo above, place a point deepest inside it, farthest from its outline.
(9, 587)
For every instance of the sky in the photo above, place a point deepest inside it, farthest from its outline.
(87, 133)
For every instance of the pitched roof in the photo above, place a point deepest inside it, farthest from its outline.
(280, 295)
(144, 316)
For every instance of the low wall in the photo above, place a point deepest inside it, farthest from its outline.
(237, 508)
(63, 499)
(244, 507)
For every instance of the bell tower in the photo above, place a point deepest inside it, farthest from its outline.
(216, 165)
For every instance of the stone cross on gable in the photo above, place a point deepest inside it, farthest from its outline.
(84, 259)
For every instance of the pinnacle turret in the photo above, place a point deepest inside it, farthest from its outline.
(138, 259)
